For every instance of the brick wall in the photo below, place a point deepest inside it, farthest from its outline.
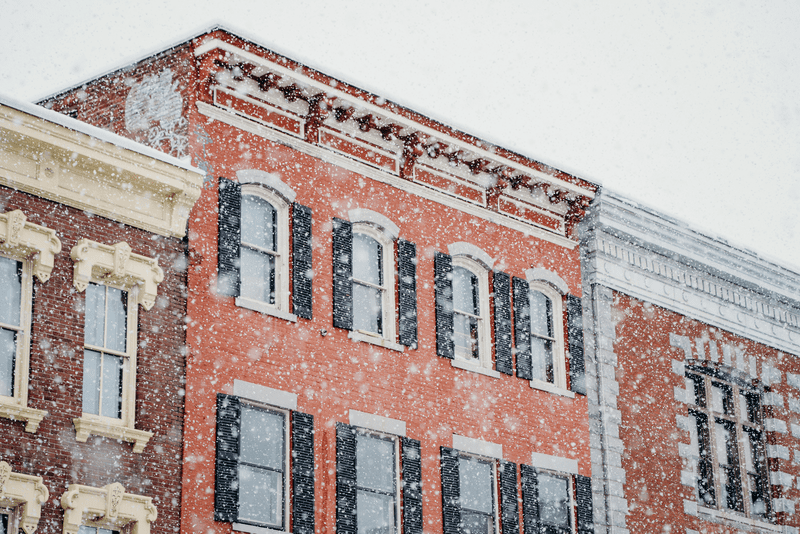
(56, 374)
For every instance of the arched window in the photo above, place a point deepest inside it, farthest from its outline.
(547, 334)
(369, 283)
(727, 438)
(471, 334)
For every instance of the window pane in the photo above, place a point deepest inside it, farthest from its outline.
(11, 295)
(8, 356)
(375, 463)
(95, 315)
(473, 523)
(262, 438)
(111, 399)
(723, 435)
(375, 513)
(475, 481)
(721, 399)
(465, 291)
(367, 259)
(259, 226)
(542, 359)
(4, 524)
(260, 495)
(258, 275)
(116, 322)
(465, 335)
(554, 500)
(367, 309)
(91, 381)
(541, 314)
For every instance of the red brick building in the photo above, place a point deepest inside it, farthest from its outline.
(92, 290)
(384, 315)
(693, 378)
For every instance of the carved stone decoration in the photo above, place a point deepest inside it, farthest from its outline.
(116, 266)
(107, 507)
(154, 106)
(22, 240)
(24, 495)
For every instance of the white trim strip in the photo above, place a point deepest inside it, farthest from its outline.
(362, 215)
(381, 176)
(254, 176)
(258, 393)
(545, 275)
(378, 423)
(554, 463)
(471, 251)
(478, 446)
(364, 105)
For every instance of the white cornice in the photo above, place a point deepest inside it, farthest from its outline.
(95, 173)
(646, 255)
(420, 190)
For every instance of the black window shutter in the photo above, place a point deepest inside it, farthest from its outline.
(345, 480)
(302, 265)
(407, 290)
(342, 274)
(575, 336)
(226, 481)
(412, 486)
(502, 323)
(530, 499)
(522, 328)
(443, 280)
(583, 503)
(508, 497)
(302, 473)
(230, 215)
(451, 492)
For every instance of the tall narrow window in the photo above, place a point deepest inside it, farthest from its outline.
(466, 314)
(555, 503)
(262, 467)
(105, 350)
(542, 337)
(10, 322)
(259, 250)
(376, 481)
(728, 440)
(368, 284)
(477, 488)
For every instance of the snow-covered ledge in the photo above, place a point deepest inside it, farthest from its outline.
(24, 495)
(107, 507)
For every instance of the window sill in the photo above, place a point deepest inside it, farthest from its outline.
(375, 340)
(461, 364)
(252, 529)
(266, 309)
(734, 519)
(85, 427)
(15, 412)
(550, 388)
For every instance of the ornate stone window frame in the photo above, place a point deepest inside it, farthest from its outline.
(116, 266)
(107, 507)
(24, 495)
(35, 247)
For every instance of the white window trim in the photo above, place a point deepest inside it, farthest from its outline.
(24, 495)
(398, 478)
(484, 328)
(116, 266)
(559, 385)
(287, 450)
(573, 505)
(389, 335)
(495, 483)
(35, 247)
(107, 507)
(280, 202)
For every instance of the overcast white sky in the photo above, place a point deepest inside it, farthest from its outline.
(690, 107)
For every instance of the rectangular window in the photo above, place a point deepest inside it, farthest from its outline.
(376, 484)
(542, 337)
(466, 314)
(10, 322)
(259, 249)
(105, 350)
(477, 489)
(368, 284)
(262, 467)
(555, 503)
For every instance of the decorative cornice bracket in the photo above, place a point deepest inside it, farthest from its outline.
(23, 240)
(116, 266)
(106, 507)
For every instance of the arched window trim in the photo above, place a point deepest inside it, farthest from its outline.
(485, 328)
(281, 205)
(388, 289)
(559, 351)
